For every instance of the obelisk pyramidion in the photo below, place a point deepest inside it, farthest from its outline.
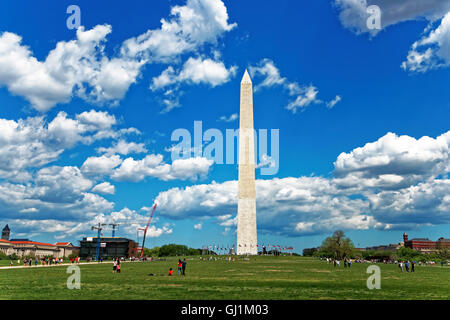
(246, 217)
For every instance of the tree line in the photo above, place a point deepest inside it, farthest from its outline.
(171, 250)
(338, 246)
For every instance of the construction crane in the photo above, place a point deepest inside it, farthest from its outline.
(114, 225)
(99, 229)
(145, 229)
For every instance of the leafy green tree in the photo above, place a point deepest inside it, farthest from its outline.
(337, 246)
(309, 252)
(408, 254)
(177, 250)
(154, 252)
(13, 256)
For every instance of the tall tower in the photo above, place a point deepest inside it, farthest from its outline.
(405, 237)
(5, 233)
(246, 217)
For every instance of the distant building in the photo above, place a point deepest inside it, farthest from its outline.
(27, 247)
(67, 248)
(109, 248)
(33, 248)
(5, 233)
(425, 245)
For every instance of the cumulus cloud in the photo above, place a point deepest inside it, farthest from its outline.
(424, 203)
(394, 161)
(77, 67)
(353, 13)
(394, 182)
(81, 68)
(194, 71)
(281, 204)
(59, 193)
(190, 26)
(128, 221)
(98, 166)
(104, 188)
(432, 51)
(123, 147)
(35, 141)
(154, 166)
(269, 71)
(304, 95)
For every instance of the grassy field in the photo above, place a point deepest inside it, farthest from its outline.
(259, 278)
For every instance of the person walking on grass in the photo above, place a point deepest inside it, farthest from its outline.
(183, 267)
(407, 266)
(412, 265)
(400, 265)
(180, 265)
(114, 266)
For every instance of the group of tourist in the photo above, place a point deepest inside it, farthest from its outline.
(75, 260)
(181, 268)
(116, 265)
(337, 263)
(43, 261)
(406, 265)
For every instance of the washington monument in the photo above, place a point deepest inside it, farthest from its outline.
(246, 217)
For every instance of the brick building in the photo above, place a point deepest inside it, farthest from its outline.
(425, 245)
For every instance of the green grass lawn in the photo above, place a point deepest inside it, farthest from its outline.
(260, 278)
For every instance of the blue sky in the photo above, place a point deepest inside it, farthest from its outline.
(87, 118)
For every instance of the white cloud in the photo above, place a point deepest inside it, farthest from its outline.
(128, 220)
(198, 226)
(305, 95)
(103, 165)
(35, 142)
(269, 71)
(104, 188)
(24, 144)
(432, 51)
(77, 67)
(231, 118)
(332, 103)
(196, 71)
(424, 203)
(60, 184)
(154, 166)
(387, 184)
(123, 147)
(353, 13)
(58, 193)
(192, 25)
(394, 161)
(81, 68)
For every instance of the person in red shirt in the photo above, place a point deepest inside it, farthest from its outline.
(170, 272)
(180, 264)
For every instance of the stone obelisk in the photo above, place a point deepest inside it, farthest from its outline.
(246, 217)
